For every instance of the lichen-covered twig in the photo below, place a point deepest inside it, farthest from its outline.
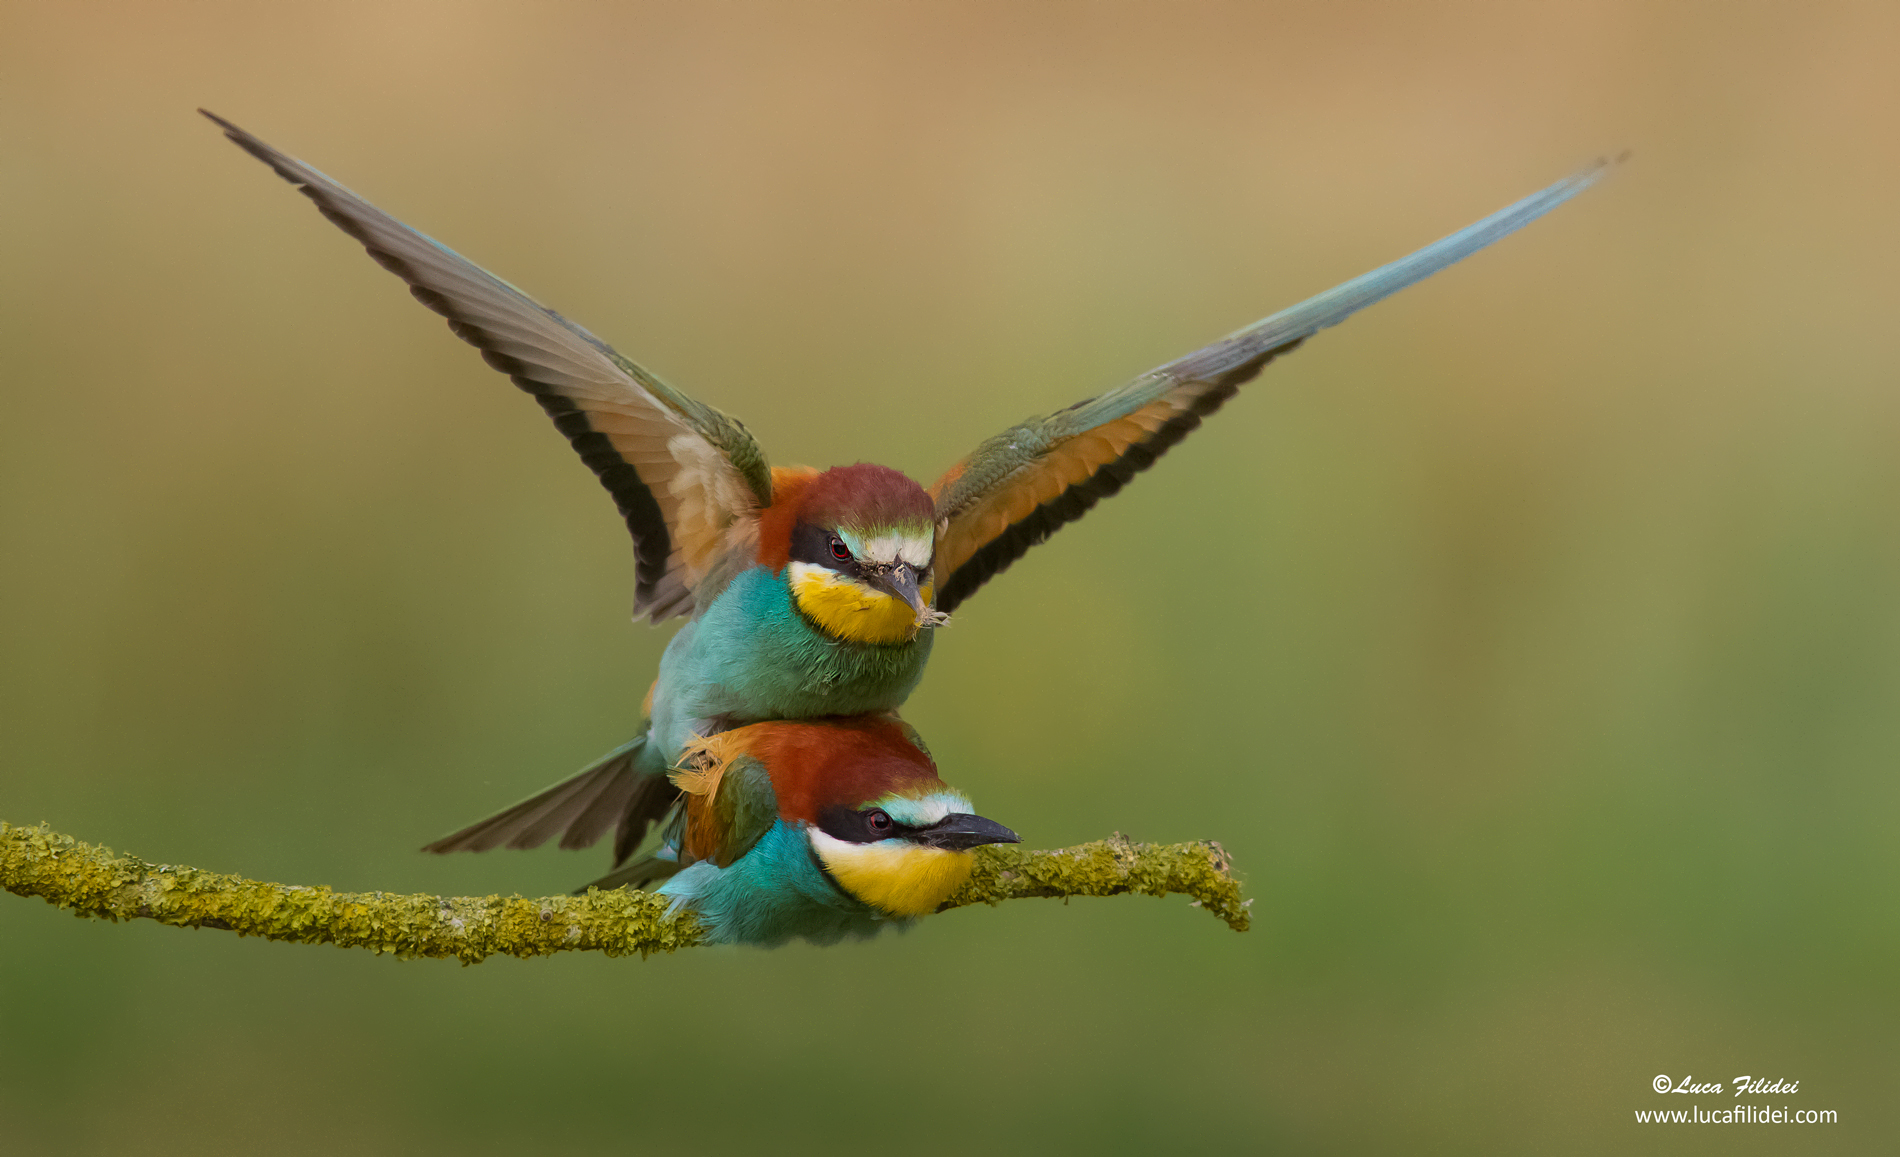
(92, 881)
(1110, 867)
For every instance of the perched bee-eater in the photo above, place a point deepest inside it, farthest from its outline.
(820, 829)
(808, 593)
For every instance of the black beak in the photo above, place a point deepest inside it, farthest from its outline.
(958, 833)
(902, 580)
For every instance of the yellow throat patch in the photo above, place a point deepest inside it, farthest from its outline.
(899, 878)
(849, 610)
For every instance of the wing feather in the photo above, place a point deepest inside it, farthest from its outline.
(580, 809)
(682, 474)
(1021, 486)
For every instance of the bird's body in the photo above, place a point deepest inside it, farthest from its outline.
(779, 635)
(795, 633)
(813, 829)
(808, 593)
(753, 656)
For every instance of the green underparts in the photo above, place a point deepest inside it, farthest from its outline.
(93, 882)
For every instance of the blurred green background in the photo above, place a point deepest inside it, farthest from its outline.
(1532, 641)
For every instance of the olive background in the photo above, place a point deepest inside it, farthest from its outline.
(1532, 640)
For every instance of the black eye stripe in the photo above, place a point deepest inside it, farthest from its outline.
(857, 827)
(813, 544)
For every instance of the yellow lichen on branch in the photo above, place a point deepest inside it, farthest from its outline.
(1112, 867)
(92, 881)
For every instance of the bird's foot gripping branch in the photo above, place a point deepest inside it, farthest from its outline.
(92, 881)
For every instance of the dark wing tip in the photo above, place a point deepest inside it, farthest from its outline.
(251, 145)
(407, 254)
(995, 556)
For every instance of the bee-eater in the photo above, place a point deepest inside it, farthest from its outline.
(808, 593)
(820, 829)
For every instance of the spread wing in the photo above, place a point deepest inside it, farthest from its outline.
(682, 473)
(1019, 487)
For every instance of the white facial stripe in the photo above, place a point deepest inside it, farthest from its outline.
(852, 610)
(800, 571)
(921, 813)
(830, 847)
(885, 858)
(897, 876)
(886, 549)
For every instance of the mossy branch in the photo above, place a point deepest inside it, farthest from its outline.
(92, 881)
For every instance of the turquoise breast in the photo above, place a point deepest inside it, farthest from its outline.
(774, 893)
(752, 656)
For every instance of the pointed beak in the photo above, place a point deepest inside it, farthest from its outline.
(902, 580)
(957, 833)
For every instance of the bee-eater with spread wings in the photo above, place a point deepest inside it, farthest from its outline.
(808, 593)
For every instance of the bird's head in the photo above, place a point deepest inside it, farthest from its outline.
(903, 852)
(856, 543)
(887, 830)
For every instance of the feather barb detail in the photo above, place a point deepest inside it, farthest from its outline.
(704, 761)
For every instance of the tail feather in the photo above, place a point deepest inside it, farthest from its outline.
(581, 808)
(608, 806)
(652, 797)
(638, 874)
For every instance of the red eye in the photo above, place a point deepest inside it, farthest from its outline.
(838, 549)
(877, 821)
